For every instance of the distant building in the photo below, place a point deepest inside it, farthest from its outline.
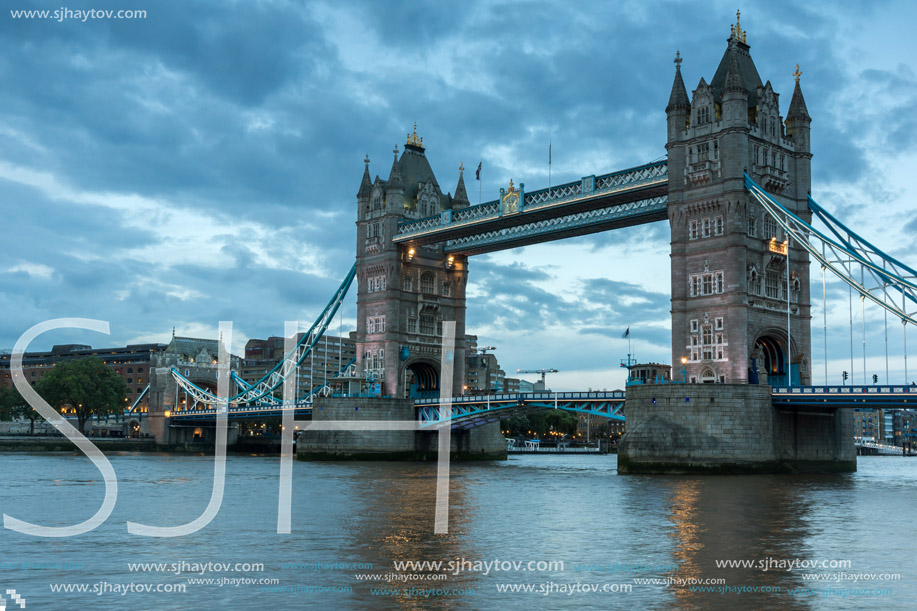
(905, 424)
(482, 370)
(329, 356)
(868, 422)
(131, 363)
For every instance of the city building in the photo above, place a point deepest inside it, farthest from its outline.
(326, 360)
(483, 374)
(868, 422)
(131, 363)
(905, 425)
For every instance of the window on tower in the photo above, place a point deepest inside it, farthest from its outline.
(703, 151)
(426, 282)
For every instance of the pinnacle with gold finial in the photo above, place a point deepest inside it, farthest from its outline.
(511, 187)
(413, 140)
(736, 31)
(797, 73)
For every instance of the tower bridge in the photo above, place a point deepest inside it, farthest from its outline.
(735, 188)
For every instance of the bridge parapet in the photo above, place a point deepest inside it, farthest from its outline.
(884, 396)
(476, 410)
(590, 187)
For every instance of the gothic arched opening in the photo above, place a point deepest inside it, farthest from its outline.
(425, 379)
(773, 360)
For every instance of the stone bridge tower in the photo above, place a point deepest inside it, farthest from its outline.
(729, 261)
(404, 292)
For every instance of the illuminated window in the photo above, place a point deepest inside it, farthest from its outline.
(770, 227)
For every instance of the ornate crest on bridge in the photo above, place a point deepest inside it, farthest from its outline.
(509, 199)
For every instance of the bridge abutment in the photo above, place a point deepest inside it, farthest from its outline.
(484, 442)
(730, 428)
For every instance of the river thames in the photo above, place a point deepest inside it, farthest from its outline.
(550, 532)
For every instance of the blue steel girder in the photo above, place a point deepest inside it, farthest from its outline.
(628, 197)
(268, 410)
(884, 396)
(873, 274)
(560, 227)
(471, 411)
(285, 368)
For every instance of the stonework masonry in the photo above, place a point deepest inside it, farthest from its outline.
(729, 264)
(729, 428)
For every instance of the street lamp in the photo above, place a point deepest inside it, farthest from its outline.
(684, 370)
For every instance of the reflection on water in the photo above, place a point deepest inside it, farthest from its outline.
(351, 519)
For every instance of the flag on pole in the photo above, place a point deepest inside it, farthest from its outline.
(626, 333)
(477, 173)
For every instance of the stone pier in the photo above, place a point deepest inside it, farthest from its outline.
(483, 442)
(730, 428)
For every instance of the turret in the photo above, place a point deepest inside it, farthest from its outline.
(394, 192)
(798, 119)
(679, 107)
(735, 95)
(460, 199)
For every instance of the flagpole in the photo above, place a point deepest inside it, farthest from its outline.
(549, 164)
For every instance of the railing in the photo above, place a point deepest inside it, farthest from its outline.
(590, 186)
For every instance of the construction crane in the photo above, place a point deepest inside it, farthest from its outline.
(541, 371)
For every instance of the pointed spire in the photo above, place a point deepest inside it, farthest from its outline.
(734, 80)
(678, 100)
(366, 185)
(394, 178)
(798, 108)
(461, 196)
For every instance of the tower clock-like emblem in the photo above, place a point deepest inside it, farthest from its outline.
(510, 202)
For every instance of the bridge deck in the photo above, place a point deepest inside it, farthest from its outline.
(595, 203)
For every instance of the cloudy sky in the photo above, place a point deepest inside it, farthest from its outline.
(201, 164)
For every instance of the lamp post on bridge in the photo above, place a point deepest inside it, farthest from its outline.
(684, 370)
